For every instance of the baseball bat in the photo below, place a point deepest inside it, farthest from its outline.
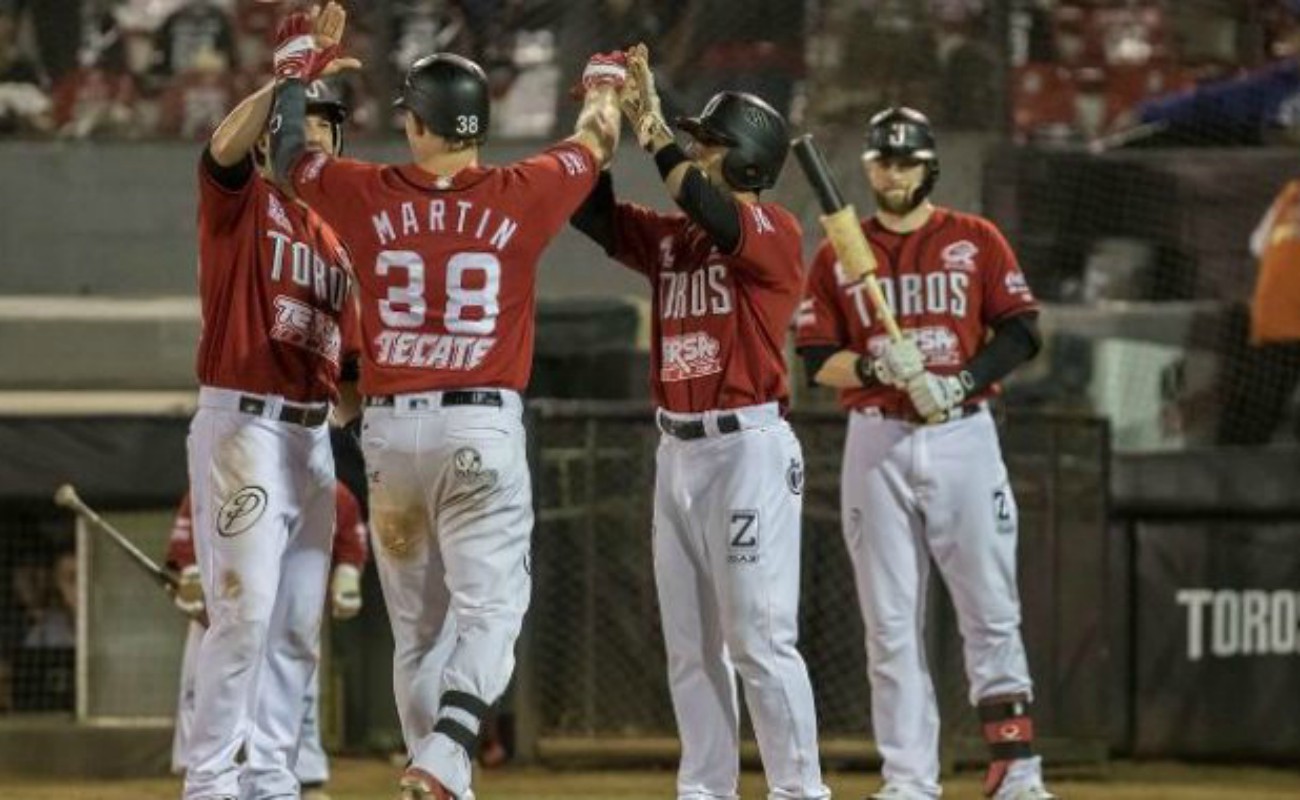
(67, 497)
(840, 221)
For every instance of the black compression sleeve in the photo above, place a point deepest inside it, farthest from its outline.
(233, 177)
(814, 358)
(288, 134)
(595, 217)
(712, 209)
(1015, 341)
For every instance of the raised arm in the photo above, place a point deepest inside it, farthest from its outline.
(713, 209)
(306, 47)
(234, 138)
(598, 123)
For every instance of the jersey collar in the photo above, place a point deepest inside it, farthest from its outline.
(427, 181)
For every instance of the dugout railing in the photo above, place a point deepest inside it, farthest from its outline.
(592, 684)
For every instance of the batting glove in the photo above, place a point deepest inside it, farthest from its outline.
(188, 594)
(898, 363)
(297, 54)
(345, 592)
(933, 395)
(640, 101)
(605, 69)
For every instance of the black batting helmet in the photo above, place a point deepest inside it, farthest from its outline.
(902, 132)
(449, 93)
(753, 130)
(325, 99)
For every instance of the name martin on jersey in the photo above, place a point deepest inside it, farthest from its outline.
(473, 284)
(438, 215)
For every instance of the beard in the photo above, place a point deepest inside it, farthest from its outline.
(897, 202)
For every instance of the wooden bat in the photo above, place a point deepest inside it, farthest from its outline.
(840, 220)
(67, 497)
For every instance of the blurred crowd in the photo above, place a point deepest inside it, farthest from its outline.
(173, 68)
(38, 622)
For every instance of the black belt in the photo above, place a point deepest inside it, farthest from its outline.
(694, 428)
(306, 416)
(479, 397)
(911, 416)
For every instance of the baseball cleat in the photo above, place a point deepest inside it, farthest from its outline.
(892, 791)
(416, 784)
(1033, 791)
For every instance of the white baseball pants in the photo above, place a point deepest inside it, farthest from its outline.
(726, 561)
(263, 500)
(451, 517)
(911, 493)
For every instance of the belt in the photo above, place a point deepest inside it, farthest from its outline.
(970, 409)
(306, 416)
(475, 397)
(694, 428)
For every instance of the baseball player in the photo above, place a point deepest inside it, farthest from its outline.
(912, 491)
(349, 558)
(446, 252)
(274, 286)
(725, 275)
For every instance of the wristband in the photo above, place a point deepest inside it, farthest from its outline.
(668, 157)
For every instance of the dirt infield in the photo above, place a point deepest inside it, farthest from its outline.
(375, 780)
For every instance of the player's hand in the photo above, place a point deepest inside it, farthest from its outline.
(605, 71)
(188, 594)
(640, 101)
(898, 363)
(328, 31)
(298, 55)
(933, 395)
(345, 592)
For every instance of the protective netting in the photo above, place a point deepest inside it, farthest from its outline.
(595, 662)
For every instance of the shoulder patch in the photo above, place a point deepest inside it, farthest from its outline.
(315, 164)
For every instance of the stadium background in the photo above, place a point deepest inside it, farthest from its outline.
(1160, 554)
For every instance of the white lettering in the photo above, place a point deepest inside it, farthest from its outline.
(1282, 622)
(464, 206)
(277, 258)
(1196, 600)
(959, 282)
(410, 225)
(302, 256)
(909, 290)
(503, 234)
(383, 227)
(437, 208)
(936, 293)
(1254, 621)
(1225, 626)
(721, 296)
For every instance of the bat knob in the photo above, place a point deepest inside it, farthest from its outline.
(65, 496)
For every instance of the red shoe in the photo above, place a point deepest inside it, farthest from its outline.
(416, 784)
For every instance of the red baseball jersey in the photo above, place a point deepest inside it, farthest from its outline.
(351, 545)
(447, 267)
(947, 283)
(274, 282)
(720, 320)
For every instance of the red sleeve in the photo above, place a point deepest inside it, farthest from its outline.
(349, 531)
(770, 243)
(644, 237)
(220, 208)
(1006, 292)
(820, 321)
(180, 545)
(557, 181)
(335, 188)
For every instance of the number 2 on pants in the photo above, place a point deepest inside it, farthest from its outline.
(406, 306)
